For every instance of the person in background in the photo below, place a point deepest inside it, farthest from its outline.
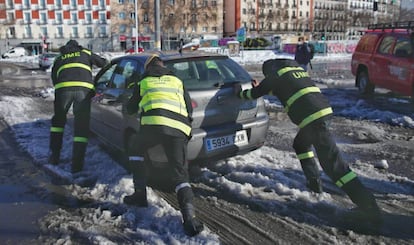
(180, 46)
(310, 110)
(302, 54)
(165, 117)
(72, 79)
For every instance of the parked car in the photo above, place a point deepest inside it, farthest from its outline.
(15, 52)
(131, 50)
(46, 60)
(223, 125)
(384, 57)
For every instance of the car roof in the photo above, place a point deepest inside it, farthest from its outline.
(174, 55)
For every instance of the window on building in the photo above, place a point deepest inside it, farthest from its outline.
(132, 15)
(26, 3)
(43, 17)
(146, 17)
(58, 4)
(121, 1)
(28, 31)
(122, 28)
(205, 3)
(42, 4)
(214, 3)
(214, 29)
(10, 16)
(43, 31)
(74, 17)
(244, 11)
(204, 29)
(88, 4)
(121, 15)
(102, 18)
(59, 32)
(73, 3)
(193, 3)
(172, 2)
(88, 17)
(194, 28)
(89, 32)
(102, 31)
(59, 17)
(75, 33)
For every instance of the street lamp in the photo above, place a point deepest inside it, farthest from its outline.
(136, 26)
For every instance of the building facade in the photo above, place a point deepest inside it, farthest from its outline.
(103, 25)
(52, 22)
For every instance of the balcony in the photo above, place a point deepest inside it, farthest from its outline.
(66, 7)
(18, 6)
(73, 22)
(35, 7)
(88, 35)
(50, 7)
(58, 35)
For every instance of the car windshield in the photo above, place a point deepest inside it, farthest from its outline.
(208, 73)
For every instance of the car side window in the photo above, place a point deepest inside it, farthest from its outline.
(386, 45)
(403, 47)
(123, 74)
(105, 78)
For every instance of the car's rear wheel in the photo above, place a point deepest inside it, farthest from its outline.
(364, 85)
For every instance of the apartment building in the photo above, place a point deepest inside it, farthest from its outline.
(103, 25)
(39, 24)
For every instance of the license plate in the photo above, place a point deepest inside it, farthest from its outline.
(240, 138)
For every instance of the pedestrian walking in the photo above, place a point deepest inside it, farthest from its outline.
(310, 110)
(165, 120)
(72, 79)
(303, 54)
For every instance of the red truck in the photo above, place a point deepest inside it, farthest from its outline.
(384, 57)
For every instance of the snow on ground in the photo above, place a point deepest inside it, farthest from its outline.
(244, 176)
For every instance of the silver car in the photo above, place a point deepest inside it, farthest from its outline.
(46, 60)
(223, 125)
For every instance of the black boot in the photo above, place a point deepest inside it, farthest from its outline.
(192, 226)
(54, 157)
(139, 198)
(314, 185)
(78, 156)
(311, 171)
(364, 199)
(55, 145)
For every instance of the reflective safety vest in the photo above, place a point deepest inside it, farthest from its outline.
(166, 93)
(74, 65)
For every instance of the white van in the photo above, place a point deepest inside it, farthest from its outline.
(15, 52)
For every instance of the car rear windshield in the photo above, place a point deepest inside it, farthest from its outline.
(208, 73)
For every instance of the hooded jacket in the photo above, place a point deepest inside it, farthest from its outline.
(73, 67)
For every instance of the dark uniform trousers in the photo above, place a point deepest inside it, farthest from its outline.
(317, 135)
(175, 148)
(80, 98)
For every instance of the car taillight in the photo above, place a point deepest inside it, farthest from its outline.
(193, 104)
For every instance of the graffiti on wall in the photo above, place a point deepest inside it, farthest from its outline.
(330, 47)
